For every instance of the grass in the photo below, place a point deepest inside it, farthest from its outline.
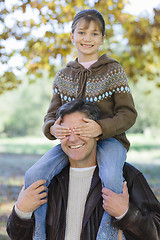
(25, 145)
(18, 154)
(145, 155)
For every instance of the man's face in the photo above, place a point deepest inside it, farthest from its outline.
(81, 151)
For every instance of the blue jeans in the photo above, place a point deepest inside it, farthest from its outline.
(111, 156)
(48, 166)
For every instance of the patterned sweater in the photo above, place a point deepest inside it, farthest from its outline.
(105, 83)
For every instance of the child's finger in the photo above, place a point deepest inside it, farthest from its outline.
(58, 121)
(61, 128)
(63, 131)
(81, 129)
(87, 120)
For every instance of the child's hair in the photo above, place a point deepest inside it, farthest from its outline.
(89, 15)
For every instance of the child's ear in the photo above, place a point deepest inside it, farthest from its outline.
(103, 38)
(71, 37)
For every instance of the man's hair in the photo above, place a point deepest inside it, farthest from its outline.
(79, 105)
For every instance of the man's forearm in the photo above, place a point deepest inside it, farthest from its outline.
(18, 228)
(23, 215)
(139, 225)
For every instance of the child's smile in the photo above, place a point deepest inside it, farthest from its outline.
(87, 41)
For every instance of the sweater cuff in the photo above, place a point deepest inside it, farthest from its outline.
(46, 130)
(129, 218)
(23, 215)
(120, 217)
(26, 223)
(108, 128)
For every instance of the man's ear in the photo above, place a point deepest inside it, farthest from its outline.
(97, 138)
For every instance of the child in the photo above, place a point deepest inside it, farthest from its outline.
(97, 79)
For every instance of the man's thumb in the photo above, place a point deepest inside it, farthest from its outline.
(125, 188)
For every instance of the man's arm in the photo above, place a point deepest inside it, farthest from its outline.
(142, 220)
(28, 200)
(143, 216)
(19, 229)
(139, 226)
(116, 204)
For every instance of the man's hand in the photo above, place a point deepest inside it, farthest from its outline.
(59, 131)
(115, 204)
(90, 128)
(33, 197)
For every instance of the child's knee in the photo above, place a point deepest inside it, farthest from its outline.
(31, 176)
(34, 174)
(111, 179)
(28, 178)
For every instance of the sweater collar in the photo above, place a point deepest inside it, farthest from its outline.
(63, 178)
(103, 60)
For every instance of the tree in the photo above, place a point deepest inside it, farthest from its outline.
(39, 27)
(22, 110)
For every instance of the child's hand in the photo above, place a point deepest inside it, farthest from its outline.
(90, 128)
(59, 131)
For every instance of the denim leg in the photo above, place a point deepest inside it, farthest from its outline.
(49, 165)
(123, 236)
(111, 156)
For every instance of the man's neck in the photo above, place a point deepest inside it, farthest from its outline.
(82, 169)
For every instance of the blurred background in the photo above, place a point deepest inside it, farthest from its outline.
(35, 44)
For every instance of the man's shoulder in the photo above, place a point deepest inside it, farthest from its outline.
(62, 176)
(136, 182)
(130, 172)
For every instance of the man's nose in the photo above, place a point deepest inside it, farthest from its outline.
(73, 137)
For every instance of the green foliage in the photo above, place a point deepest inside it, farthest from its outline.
(23, 109)
(44, 42)
(42, 37)
(146, 98)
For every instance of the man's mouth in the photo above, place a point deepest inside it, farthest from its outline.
(76, 146)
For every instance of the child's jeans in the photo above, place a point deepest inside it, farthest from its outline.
(111, 156)
(48, 166)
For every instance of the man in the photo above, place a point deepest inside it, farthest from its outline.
(76, 200)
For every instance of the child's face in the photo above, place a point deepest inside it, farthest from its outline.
(87, 40)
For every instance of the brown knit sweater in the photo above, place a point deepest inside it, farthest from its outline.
(105, 83)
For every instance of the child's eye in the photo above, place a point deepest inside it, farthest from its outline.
(81, 33)
(95, 34)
